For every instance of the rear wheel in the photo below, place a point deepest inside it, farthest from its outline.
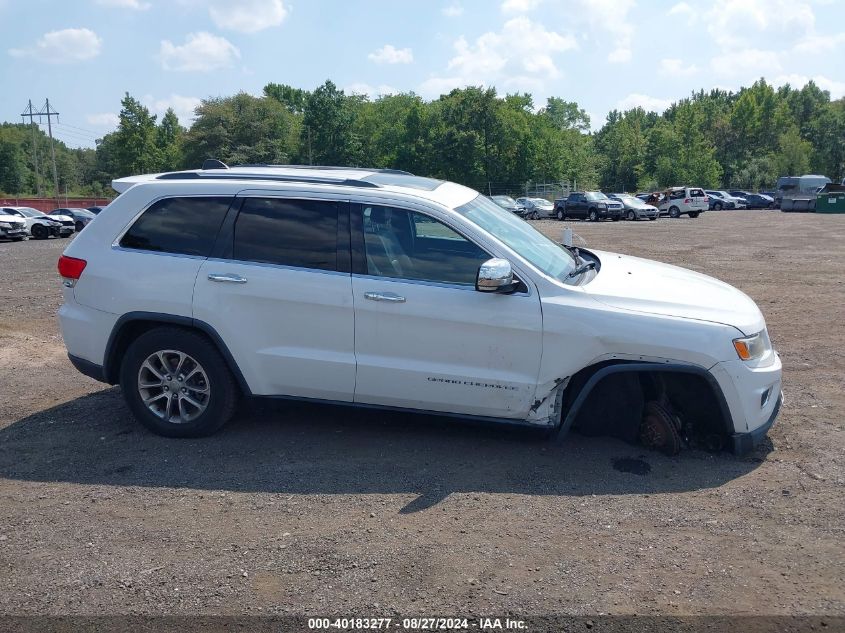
(177, 384)
(674, 212)
(717, 206)
(594, 217)
(39, 232)
(632, 215)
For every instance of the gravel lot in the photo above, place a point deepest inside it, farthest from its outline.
(323, 510)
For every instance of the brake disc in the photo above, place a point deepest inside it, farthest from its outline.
(659, 429)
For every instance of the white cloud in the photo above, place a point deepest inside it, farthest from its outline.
(619, 55)
(611, 16)
(373, 92)
(494, 60)
(836, 88)
(747, 63)
(733, 24)
(519, 6)
(452, 11)
(388, 54)
(135, 5)
(682, 9)
(200, 52)
(108, 120)
(182, 106)
(676, 68)
(63, 47)
(816, 44)
(247, 16)
(650, 104)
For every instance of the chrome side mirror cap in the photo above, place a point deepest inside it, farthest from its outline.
(494, 275)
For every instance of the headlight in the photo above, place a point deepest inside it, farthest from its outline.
(5, 225)
(754, 346)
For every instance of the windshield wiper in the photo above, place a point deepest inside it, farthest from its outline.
(581, 270)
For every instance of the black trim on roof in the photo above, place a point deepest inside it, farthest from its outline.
(193, 175)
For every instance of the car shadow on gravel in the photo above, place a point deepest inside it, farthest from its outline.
(300, 448)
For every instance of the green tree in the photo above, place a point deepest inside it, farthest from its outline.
(169, 137)
(12, 168)
(137, 152)
(328, 127)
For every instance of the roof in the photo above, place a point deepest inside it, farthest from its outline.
(360, 178)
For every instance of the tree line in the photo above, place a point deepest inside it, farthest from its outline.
(743, 139)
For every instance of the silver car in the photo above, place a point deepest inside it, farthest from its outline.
(536, 208)
(635, 208)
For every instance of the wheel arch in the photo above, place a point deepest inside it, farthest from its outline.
(131, 325)
(583, 382)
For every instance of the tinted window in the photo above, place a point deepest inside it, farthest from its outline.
(697, 193)
(408, 245)
(299, 233)
(186, 226)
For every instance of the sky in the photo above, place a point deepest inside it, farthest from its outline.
(84, 55)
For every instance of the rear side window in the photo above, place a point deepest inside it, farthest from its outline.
(184, 226)
(301, 233)
(696, 193)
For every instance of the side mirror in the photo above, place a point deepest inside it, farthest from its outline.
(494, 275)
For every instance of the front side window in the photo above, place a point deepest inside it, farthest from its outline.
(288, 232)
(407, 245)
(183, 226)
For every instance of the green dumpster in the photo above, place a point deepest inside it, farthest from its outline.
(831, 199)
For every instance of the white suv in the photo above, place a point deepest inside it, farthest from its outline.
(678, 201)
(382, 289)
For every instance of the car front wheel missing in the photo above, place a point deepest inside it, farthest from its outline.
(176, 383)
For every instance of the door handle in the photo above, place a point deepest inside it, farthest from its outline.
(227, 277)
(384, 296)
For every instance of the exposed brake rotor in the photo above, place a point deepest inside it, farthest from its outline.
(659, 429)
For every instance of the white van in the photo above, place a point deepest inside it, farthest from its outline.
(378, 288)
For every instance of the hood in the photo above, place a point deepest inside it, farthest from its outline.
(11, 218)
(642, 285)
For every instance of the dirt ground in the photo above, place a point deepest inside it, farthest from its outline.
(319, 510)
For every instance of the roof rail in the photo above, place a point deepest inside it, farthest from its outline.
(213, 163)
(378, 170)
(193, 175)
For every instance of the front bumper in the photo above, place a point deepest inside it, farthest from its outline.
(744, 442)
(12, 233)
(753, 395)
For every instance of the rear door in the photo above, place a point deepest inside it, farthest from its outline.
(424, 337)
(278, 291)
(698, 199)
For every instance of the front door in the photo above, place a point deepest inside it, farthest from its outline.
(424, 337)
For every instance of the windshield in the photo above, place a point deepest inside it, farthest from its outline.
(550, 258)
(596, 195)
(30, 213)
(540, 201)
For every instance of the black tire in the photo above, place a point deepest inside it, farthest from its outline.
(17, 239)
(632, 216)
(39, 232)
(693, 214)
(535, 215)
(561, 216)
(64, 235)
(717, 206)
(593, 216)
(79, 226)
(222, 391)
(674, 212)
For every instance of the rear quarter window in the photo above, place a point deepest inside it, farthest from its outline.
(696, 193)
(182, 226)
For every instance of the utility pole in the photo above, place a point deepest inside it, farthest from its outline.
(45, 111)
(31, 114)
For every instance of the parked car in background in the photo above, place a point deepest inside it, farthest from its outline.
(536, 208)
(81, 217)
(588, 205)
(678, 201)
(754, 200)
(635, 208)
(12, 227)
(437, 302)
(507, 203)
(38, 224)
(95, 210)
(723, 200)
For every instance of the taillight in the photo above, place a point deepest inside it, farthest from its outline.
(687, 201)
(70, 269)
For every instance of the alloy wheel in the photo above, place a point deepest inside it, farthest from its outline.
(173, 386)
